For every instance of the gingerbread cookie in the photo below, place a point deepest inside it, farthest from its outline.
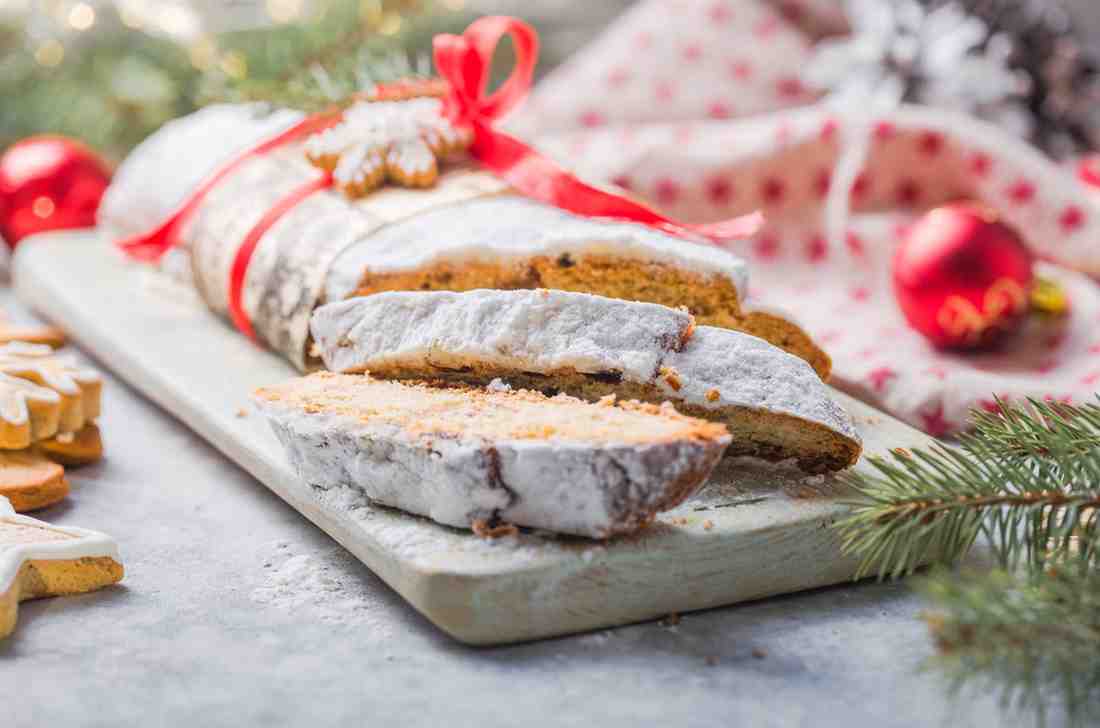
(74, 448)
(28, 412)
(400, 141)
(30, 481)
(40, 560)
(78, 387)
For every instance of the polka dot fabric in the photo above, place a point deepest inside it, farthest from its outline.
(705, 146)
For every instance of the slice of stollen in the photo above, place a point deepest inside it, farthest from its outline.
(465, 456)
(588, 346)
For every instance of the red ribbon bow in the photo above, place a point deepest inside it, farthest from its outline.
(464, 62)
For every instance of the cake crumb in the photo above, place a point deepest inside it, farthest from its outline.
(901, 452)
(759, 653)
(708, 524)
(671, 620)
(671, 376)
(713, 395)
(482, 529)
(242, 412)
(608, 400)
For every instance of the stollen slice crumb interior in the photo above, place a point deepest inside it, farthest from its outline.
(462, 455)
(773, 403)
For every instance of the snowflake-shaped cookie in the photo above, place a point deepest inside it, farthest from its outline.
(78, 387)
(379, 141)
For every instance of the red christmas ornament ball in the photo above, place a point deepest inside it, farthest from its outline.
(49, 183)
(962, 278)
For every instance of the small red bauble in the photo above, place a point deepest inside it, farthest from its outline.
(961, 277)
(49, 183)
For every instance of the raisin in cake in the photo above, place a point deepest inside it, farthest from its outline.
(589, 346)
(463, 455)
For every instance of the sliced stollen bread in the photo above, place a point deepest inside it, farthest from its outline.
(510, 243)
(464, 456)
(774, 404)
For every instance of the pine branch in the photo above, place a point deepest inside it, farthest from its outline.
(1028, 480)
(1071, 430)
(1034, 641)
(328, 58)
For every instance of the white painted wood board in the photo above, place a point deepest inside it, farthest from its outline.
(754, 531)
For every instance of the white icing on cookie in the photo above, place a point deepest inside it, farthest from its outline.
(60, 373)
(15, 393)
(74, 543)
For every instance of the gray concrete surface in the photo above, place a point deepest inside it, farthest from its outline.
(193, 637)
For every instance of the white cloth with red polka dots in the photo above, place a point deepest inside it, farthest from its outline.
(697, 106)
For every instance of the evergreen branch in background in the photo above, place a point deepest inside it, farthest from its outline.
(1032, 641)
(1028, 479)
(341, 50)
(1074, 430)
(110, 92)
(114, 85)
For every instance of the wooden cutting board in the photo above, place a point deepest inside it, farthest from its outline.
(754, 531)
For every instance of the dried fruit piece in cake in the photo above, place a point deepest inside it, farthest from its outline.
(773, 403)
(461, 455)
(78, 386)
(83, 447)
(30, 481)
(41, 560)
(511, 243)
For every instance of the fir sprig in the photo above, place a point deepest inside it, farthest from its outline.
(1028, 639)
(1028, 480)
(327, 57)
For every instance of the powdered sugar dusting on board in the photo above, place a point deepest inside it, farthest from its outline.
(325, 585)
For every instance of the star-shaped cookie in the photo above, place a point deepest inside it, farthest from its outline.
(40, 560)
(78, 387)
(379, 141)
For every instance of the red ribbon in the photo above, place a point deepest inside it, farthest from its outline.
(150, 246)
(464, 62)
(252, 239)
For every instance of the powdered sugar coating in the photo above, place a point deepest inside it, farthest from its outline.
(535, 330)
(170, 163)
(505, 228)
(593, 489)
(749, 372)
(547, 331)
